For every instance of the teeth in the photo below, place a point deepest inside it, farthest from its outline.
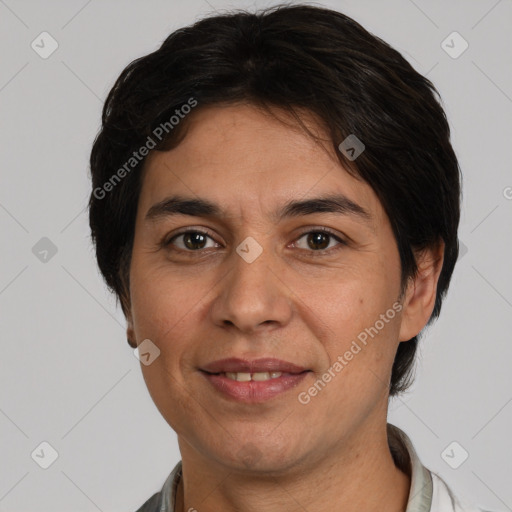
(264, 376)
(258, 376)
(240, 377)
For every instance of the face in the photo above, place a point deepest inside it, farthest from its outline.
(259, 280)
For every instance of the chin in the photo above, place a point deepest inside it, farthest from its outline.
(261, 457)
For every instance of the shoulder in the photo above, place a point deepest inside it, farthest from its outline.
(445, 500)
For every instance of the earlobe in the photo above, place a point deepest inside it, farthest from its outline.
(420, 296)
(125, 301)
(130, 333)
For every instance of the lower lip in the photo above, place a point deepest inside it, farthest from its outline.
(254, 391)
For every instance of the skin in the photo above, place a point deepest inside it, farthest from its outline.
(290, 303)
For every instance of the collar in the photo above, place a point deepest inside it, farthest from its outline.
(407, 460)
(404, 455)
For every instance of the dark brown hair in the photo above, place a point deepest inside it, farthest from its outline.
(296, 58)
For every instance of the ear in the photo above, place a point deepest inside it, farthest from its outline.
(130, 333)
(420, 296)
(125, 301)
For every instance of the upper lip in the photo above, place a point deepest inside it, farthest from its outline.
(265, 364)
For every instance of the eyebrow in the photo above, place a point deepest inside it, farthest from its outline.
(334, 203)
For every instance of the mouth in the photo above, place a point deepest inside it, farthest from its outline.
(254, 376)
(253, 381)
(254, 366)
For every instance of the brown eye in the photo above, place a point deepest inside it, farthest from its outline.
(318, 240)
(194, 240)
(191, 240)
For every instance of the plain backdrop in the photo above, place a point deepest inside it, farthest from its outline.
(68, 376)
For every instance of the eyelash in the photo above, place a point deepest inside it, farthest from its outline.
(321, 252)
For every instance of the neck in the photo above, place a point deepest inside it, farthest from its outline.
(361, 475)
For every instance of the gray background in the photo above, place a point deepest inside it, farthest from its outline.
(69, 378)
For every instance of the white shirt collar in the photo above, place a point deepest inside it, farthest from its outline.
(406, 459)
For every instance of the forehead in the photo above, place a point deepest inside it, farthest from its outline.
(248, 161)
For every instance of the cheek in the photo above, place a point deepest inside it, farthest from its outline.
(359, 346)
(352, 315)
(163, 307)
(162, 302)
(349, 302)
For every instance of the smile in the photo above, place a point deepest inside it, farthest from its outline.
(254, 387)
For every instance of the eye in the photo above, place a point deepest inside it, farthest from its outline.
(318, 240)
(191, 240)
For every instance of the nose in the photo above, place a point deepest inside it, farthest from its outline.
(253, 296)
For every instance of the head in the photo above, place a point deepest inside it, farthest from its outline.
(247, 112)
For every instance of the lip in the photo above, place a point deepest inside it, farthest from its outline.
(264, 364)
(254, 392)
